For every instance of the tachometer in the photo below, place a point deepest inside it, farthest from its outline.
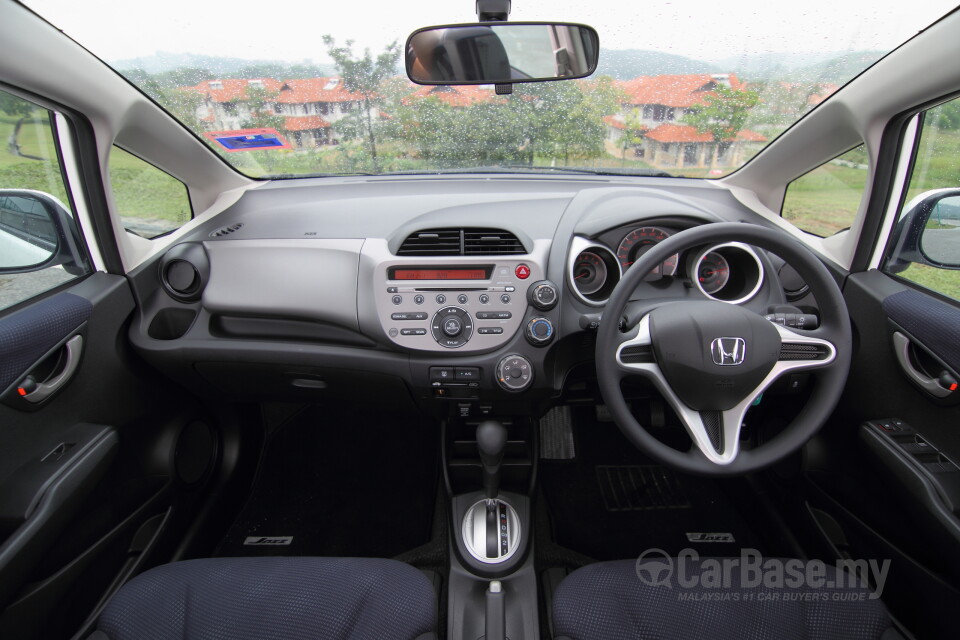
(589, 272)
(638, 242)
(713, 272)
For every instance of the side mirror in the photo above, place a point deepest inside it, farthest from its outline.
(501, 53)
(36, 232)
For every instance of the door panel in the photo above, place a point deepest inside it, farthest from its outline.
(88, 478)
(876, 490)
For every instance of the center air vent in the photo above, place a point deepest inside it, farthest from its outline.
(461, 242)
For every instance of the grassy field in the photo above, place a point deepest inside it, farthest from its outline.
(940, 280)
(825, 200)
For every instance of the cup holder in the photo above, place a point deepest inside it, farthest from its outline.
(170, 324)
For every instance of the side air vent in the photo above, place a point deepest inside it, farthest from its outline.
(184, 271)
(461, 242)
(225, 231)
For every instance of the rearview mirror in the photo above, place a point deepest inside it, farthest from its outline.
(36, 232)
(929, 233)
(501, 53)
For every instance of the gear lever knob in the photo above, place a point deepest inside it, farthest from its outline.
(491, 441)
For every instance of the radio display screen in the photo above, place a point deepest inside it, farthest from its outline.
(440, 273)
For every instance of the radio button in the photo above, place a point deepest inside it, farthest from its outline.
(409, 315)
(505, 299)
(441, 299)
(413, 332)
(486, 331)
(462, 298)
(397, 299)
(494, 315)
(484, 298)
(418, 299)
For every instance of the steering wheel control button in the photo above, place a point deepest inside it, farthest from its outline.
(522, 271)
(441, 299)
(462, 298)
(451, 327)
(397, 299)
(539, 332)
(543, 295)
(514, 373)
(418, 299)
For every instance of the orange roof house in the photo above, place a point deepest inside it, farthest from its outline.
(657, 104)
(676, 90)
(455, 96)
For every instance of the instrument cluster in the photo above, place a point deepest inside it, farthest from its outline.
(730, 272)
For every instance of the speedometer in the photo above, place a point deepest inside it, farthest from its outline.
(641, 240)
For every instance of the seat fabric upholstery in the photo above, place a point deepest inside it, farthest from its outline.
(608, 601)
(273, 597)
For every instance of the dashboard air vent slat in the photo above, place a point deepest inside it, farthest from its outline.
(461, 242)
(432, 242)
(490, 242)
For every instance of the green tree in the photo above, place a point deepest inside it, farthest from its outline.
(260, 101)
(723, 115)
(363, 75)
(633, 133)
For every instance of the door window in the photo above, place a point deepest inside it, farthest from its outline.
(40, 244)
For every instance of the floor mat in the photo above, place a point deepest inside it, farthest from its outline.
(362, 484)
(639, 488)
(612, 503)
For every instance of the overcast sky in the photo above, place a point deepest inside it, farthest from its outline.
(291, 30)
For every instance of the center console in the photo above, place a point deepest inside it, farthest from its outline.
(493, 587)
(463, 308)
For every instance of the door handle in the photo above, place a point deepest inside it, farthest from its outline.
(43, 390)
(901, 347)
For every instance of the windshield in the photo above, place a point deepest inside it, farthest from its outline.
(683, 89)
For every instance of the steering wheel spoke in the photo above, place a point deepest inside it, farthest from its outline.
(635, 352)
(800, 351)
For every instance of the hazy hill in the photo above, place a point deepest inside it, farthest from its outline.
(163, 62)
(630, 63)
(838, 69)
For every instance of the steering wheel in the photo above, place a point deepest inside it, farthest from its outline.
(711, 360)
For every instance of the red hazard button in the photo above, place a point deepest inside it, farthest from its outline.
(523, 271)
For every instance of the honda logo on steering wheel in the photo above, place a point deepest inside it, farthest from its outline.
(728, 352)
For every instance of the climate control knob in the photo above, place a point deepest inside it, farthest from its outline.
(542, 295)
(539, 332)
(514, 373)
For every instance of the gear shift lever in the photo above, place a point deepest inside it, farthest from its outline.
(491, 441)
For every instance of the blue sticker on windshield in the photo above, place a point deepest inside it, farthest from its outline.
(248, 139)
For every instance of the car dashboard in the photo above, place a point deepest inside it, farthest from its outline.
(475, 295)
